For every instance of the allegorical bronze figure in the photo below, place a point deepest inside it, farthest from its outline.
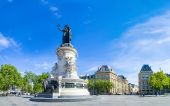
(67, 35)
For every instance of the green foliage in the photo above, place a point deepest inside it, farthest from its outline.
(38, 83)
(1, 82)
(27, 81)
(108, 85)
(26, 86)
(169, 84)
(100, 85)
(42, 77)
(31, 78)
(159, 81)
(9, 76)
(90, 84)
(37, 87)
(30, 82)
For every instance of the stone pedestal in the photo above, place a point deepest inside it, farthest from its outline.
(73, 87)
(66, 66)
(66, 69)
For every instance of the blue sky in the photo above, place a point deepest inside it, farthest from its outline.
(124, 34)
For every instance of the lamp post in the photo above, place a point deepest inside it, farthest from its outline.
(94, 81)
(32, 85)
(93, 86)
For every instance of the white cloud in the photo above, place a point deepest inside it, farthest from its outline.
(44, 1)
(35, 63)
(52, 8)
(55, 11)
(87, 19)
(3, 58)
(43, 66)
(6, 42)
(57, 15)
(92, 69)
(14, 43)
(145, 43)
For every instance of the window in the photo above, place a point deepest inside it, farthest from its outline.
(147, 87)
(69, 85)
(78, 85)
(143, 87)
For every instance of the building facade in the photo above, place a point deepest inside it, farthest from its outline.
(122, 85)
(106, 73)
(143, 78)
(133, 89)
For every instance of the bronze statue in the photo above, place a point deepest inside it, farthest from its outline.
(67, 35)
(50, 86)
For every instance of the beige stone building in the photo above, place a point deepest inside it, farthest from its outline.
(144, 76)
(119, 81)
(133, 89)
(122, 85)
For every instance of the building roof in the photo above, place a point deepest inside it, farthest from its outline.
(105, 68)
(88, 77)
(146, 68)
(121, 76)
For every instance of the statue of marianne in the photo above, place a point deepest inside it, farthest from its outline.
(67, 35)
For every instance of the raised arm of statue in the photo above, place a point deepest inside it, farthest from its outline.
(59, 28)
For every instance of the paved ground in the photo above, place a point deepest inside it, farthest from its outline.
(113, 100)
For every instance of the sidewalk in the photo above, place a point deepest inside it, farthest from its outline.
(154, 95)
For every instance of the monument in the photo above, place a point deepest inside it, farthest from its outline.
(63, 81)
(65, 71)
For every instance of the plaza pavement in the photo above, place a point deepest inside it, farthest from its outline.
(108, 100)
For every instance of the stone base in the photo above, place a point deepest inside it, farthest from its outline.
(64, 99)
(47, 95)
(67, 92)
(73, 87)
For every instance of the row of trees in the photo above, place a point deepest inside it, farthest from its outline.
(30, 82)
(159, 81)
(100, 86)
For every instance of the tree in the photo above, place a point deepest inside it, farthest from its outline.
(33, 83)
(168, 83)
(30, 76)
(38, 87)
(159, 81)
(27, 81)
(90, 84)
(26, 86)
(100, 86)
(42, 77)
(9, 76)
(1, 82)
(108, 85)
